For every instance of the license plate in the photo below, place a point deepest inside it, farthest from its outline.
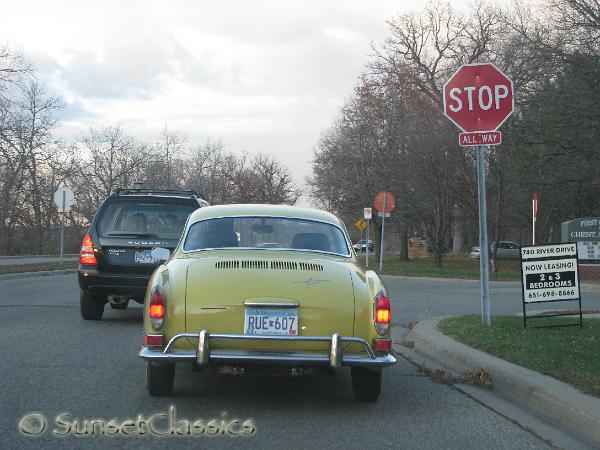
(144, 257)
(271, 322)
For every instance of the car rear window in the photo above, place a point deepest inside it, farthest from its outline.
(145, 218)
(266, 233)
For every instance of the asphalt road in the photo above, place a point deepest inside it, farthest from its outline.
(52, 363)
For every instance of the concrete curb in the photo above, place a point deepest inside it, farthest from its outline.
(38, 256)
(41, 273)
(552, 399)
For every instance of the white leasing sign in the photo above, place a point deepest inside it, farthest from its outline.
(550, 273)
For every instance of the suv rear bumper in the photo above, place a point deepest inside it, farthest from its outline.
(204, 355)
(99, 283)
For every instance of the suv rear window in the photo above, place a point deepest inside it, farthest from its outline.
(145, 218)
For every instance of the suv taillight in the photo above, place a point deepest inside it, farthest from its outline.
(86, 255)
(383, 313)
(156, 308)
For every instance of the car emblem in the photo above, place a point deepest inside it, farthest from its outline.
(310, 282)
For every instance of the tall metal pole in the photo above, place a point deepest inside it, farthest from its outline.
(533, 221)
(483, 239)
(62, 227)
(382, 233)
(368, 222)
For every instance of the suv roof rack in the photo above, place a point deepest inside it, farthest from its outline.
(135, 191)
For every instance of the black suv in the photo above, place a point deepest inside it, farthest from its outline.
(116, 261)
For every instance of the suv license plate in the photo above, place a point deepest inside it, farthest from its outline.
(144, 257)
(271, 322)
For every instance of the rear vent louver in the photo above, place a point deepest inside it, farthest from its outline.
(311, 266)
(228, 265)
(255, 264)
(275, 265)
(285, 265)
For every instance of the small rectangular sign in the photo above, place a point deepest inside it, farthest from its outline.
(588, 250)
(368, 212)
(380, 214)
(550, 273)
(480, 138)
(549, 251)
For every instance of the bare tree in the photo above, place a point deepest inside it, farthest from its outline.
(272, 182)
(109, 158)
(28, 133)
(170, 144)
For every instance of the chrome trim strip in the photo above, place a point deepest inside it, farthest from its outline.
(203, 350)
(335, 358)
(298, 358)
(278, 249)
(253, 304)
(335, 352)
(342, 229)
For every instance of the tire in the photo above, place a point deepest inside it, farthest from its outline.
(92, 306)
(366, 384)
(119, 305)
(159, 379)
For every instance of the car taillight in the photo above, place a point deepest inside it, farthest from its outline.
(383, 313)
(86, 255)
(156, 308)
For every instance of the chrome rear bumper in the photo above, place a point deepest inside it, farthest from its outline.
(204, 355)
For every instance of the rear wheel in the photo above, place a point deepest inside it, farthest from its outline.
(159, 378)
(366, 384)
(120, 305)
(92, 306)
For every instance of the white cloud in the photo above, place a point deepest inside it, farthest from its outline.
(260, 75)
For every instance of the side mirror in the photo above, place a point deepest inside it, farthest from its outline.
(160, 254)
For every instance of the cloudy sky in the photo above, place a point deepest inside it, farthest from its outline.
(262, 76)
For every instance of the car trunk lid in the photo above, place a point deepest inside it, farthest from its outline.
(219, 290)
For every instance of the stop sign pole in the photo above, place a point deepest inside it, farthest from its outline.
(384, 203)
(478, 98)
(484, 274)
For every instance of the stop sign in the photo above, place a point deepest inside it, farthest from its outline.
(385, 198)
(478, 97)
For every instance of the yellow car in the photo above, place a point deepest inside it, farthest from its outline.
(255, 289)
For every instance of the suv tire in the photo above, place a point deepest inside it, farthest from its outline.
(92, 306)
(159, 379)
(366, 384)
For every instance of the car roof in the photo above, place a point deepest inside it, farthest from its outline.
(233, 210)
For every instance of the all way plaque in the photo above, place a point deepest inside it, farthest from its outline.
(549, 273)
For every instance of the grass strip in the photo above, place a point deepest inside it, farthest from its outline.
(453, 266)
(569, 354)
(20, 268)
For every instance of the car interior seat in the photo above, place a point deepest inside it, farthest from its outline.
(311, 241)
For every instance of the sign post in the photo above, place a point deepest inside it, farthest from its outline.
(534, 215)
(478, 98)
(368, 215)
(63, 199)
(484, 247)
(384, 203)
(382, 232)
